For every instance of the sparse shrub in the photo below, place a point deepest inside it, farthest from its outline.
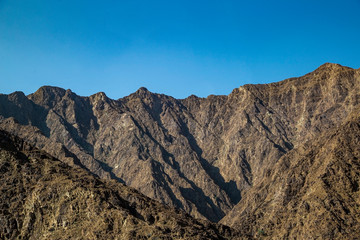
(261, 232)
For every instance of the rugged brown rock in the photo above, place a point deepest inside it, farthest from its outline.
(198, 154)
(43, 198)
(312, 192)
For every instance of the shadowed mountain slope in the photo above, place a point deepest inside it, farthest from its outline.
(43, 198)
(311, 193)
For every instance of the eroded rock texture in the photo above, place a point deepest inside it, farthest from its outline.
(311, 193)
(198, 154)
(43, 198)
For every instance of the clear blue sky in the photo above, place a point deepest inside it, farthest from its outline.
(174, 47)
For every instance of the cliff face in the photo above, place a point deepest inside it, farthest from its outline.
(43, 198)
(198, 154)
(312, 192)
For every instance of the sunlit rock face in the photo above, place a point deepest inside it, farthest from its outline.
(199, 154)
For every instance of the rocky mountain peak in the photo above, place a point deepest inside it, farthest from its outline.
(332, 69)
(17, 96)
(329, 65)
(50, 90)
(100, 96)
(143, 93)
(47, 96)
(142, 90)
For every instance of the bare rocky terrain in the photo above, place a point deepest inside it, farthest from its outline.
(209, 156)
(43, 198)
(311, 193)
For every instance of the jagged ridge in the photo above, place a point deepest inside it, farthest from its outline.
(198, 154)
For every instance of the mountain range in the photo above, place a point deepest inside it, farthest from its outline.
(277, 160)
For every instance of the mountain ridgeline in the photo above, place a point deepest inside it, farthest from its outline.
(214, 156)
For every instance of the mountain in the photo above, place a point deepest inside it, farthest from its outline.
(199, 154)
(43, 198)
(312, 192)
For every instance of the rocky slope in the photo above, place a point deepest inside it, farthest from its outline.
(311, 193)
(198, 154)
(43, 198)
